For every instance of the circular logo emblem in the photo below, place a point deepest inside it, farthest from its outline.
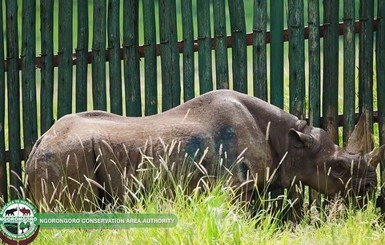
(18, 220)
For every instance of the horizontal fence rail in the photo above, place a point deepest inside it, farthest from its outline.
(181, 44)
(131, 56)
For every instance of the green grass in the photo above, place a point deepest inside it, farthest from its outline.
(213, 214)
(212, 218)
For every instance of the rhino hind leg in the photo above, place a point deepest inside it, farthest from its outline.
(57, 183)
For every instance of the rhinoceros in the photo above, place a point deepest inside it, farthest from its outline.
(260, 142)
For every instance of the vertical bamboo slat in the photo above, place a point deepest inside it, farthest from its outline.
(131, 57)
(3, 165)
(276, 52)
(28, 54)
(239, 54)
(150, 62)
(221, 56)
(259, 49)
(65, 58)
(99, 92)
(349, 68)
(330, 72)
(204, 46)
(47, 70)
(296, 77)
(169, 55)
(81, 53)
(314, 64)
(366, 61)
(114, 57)
(13, 96)
(296, 58)
(188, 51)
(380, 72)
(314, 74)
(276, 67)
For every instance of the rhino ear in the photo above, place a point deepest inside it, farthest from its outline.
(299, 139)
(376, 156)
(360, 141)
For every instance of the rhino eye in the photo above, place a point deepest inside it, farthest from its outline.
(338, 169)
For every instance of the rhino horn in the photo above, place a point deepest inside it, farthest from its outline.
(376, 156)
(360, 141)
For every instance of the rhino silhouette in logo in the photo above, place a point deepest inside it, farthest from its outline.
(10, 212)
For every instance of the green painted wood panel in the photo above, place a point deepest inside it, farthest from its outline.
(276, 52)
(28, 54)
(365, 63)
(169, 54)
(330, 72)
(349, 69)
(150, 59)
(314, 63)
(13, 85)
(115, 72)
(65, 58)
(99, 93)
(221, 56)
(296, 58)
(204, 46)
(81, 54)
(259, 49)
(47, 70)
(239, 52)
(188, 51)
(131, 57)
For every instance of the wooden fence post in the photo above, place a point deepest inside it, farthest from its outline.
(276, 52)
(276, 69)
(314, 76)
(296, 58)
(314, 63)
(65, 58)
(81, 54)
(99, 93)
(29, 75)
(259, 49)
(13, 97)
(114, 57)
(131, 57)
(188, 51)
(296, 81)
(169, 54)
(349, 68)
(330, 72)
(204, 46)
(365, 73)
(3, 164)
(47, 70)
(150, 59)
(238, 35)
(221, 56)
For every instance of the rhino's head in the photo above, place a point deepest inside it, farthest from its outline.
(331, 169)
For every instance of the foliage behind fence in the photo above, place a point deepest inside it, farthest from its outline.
(221, 41)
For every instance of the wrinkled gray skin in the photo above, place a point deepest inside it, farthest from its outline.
(101, 146)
